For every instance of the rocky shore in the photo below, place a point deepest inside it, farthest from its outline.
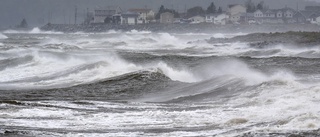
(264, 39)
(182, 28)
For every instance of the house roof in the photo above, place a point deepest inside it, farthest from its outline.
(140, 10)
(110, 8)
(129, 14)
(167, 13)
(273, 11)
(310, 14)
(233, 5)
(247, 14)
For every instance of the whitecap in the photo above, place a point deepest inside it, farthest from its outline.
(138, 32)
(2, 36)
(219, 35)
(36, 30)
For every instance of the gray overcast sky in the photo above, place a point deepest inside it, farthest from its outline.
(37, 12)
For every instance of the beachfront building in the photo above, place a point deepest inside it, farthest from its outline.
(235, 18)
(167, 18)
(197, 19)
(145, 15)
(221, 19)
(317, 21)
(310, 15)
(247, 18)
(129, 18)
(209, 18)
(275, 16)
(105, 15)
(236, 9)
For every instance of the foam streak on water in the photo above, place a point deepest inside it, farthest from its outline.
(141, 83)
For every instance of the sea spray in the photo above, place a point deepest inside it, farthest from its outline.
(2, 36)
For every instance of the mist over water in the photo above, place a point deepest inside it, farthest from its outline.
(142, 83)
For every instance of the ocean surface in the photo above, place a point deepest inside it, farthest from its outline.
(141, 83)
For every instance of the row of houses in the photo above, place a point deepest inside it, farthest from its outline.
(115, 15)
(235, 14)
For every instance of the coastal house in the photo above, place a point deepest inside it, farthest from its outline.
(236, 9)
(258, 13)
(247, 18)
(275, 16)
(116, 19)
(221, 19)
(167, 18)
(235, 18)
(209, 18)
(197, 19)
(310, 16)
(317, 21)
(145, 15)
(105, 15)
(311, 13)
(129, 18)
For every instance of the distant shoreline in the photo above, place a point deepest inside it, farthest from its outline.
(182, 28)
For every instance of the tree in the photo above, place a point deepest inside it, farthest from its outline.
(250, 6)
(23, 24)
(161, 10)
(195, 11)
(211, 9)
(260, 6)
(219, 10)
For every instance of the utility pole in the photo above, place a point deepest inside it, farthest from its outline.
(75, 15)
(297, 21)
(64, 16)
(185, 8)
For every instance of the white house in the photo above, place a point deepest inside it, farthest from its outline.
(275, 16)
(209, 18)
(221, 19)
(145, 15)
(317, 20)
(236, 9)
(197, 19)
(129, 18)
(258, 14)
(104, 15)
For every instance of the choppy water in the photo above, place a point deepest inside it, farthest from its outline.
(154, 84)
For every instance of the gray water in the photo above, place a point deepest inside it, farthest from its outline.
(154, 84)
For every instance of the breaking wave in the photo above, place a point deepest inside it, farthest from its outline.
(35, 30)
(155, 84)
(2, 36)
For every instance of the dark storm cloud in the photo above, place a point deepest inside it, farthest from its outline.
(39, 12)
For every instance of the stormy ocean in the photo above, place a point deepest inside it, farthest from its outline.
(141, 83)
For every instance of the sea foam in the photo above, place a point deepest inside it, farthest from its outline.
(2, 36)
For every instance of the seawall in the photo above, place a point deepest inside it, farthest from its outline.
(182, 28)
